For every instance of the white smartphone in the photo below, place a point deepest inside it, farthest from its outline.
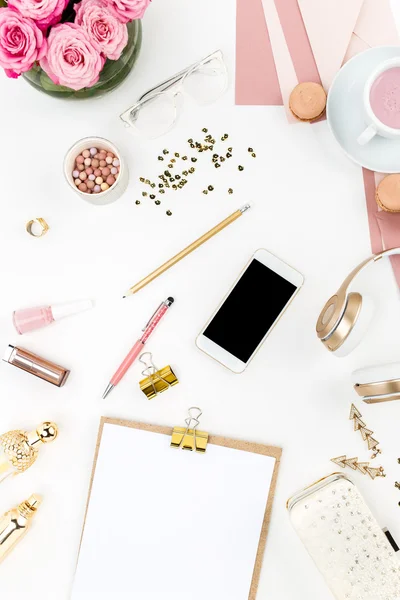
(249, 311)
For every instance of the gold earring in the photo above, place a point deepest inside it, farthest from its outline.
(363, 467)
(366, 434)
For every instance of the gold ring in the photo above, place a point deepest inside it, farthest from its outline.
(41, 223)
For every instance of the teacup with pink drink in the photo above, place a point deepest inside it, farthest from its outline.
(382, 102)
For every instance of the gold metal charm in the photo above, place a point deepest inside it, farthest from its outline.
(156, 380)
(189, 438)
(37, 227)
(366, 434)
(363, 467)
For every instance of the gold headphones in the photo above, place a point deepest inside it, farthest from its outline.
(340, 327)
(378, 384)
(346, 315)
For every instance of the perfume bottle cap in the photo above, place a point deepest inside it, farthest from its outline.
(34, 501)
(27, 508)
(45, 432)
(60, 311)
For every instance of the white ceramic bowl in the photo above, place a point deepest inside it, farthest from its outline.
(116, 190)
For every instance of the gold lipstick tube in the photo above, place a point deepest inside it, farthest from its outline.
(35, 365)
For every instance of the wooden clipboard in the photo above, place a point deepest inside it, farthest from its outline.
(270, 451)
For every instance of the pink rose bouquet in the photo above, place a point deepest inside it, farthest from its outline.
(22, 43)
(128, 10)
(43, 12)
(71, 43)
(71, 58)
(107, 34)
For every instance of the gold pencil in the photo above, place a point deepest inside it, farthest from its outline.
(172, 261)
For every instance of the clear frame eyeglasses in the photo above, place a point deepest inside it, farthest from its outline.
(156, 112)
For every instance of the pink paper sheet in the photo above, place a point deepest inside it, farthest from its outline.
(329, 25)
(293, 55)
(256, 76)
(297, 40)
(286, 74)
(376, 25)
(384, 228)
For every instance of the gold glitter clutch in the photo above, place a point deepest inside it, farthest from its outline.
(19, 449)
(345, 540)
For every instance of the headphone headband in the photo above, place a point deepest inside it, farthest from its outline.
(372, 259)
(336, 305)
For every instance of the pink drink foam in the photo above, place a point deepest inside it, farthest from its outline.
(385, 97)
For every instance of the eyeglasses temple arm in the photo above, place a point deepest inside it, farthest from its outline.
(161, 87)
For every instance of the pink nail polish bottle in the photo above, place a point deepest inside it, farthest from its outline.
(29, 319)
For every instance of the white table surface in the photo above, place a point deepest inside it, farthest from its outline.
(309, 209)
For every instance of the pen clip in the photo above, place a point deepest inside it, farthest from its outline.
(151, 318)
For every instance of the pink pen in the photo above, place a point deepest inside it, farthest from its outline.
(138, 347)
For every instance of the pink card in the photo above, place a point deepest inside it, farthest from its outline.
(329, 25)
(290, 46)
(286, 73)
(256, 76)
(376, 25)
(297, 40)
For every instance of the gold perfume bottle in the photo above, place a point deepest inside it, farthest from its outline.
(15, 524)
(19, 449)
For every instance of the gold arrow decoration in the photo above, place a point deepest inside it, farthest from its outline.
(339, 460)
(375, 472)
(363, 467)
(354, 412)
(358, 424)
(366, 434)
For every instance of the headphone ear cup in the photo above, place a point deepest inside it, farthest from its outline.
(377, 373)
(358, 330)
(378, 384)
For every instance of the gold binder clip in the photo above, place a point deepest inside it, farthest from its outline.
(157, 380)
(190, 438)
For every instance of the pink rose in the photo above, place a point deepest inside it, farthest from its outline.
(43, 12)
(71, 58)
(21, 42)
(107, 34)
(128, 10)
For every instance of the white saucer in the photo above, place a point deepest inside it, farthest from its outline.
(345, 112)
